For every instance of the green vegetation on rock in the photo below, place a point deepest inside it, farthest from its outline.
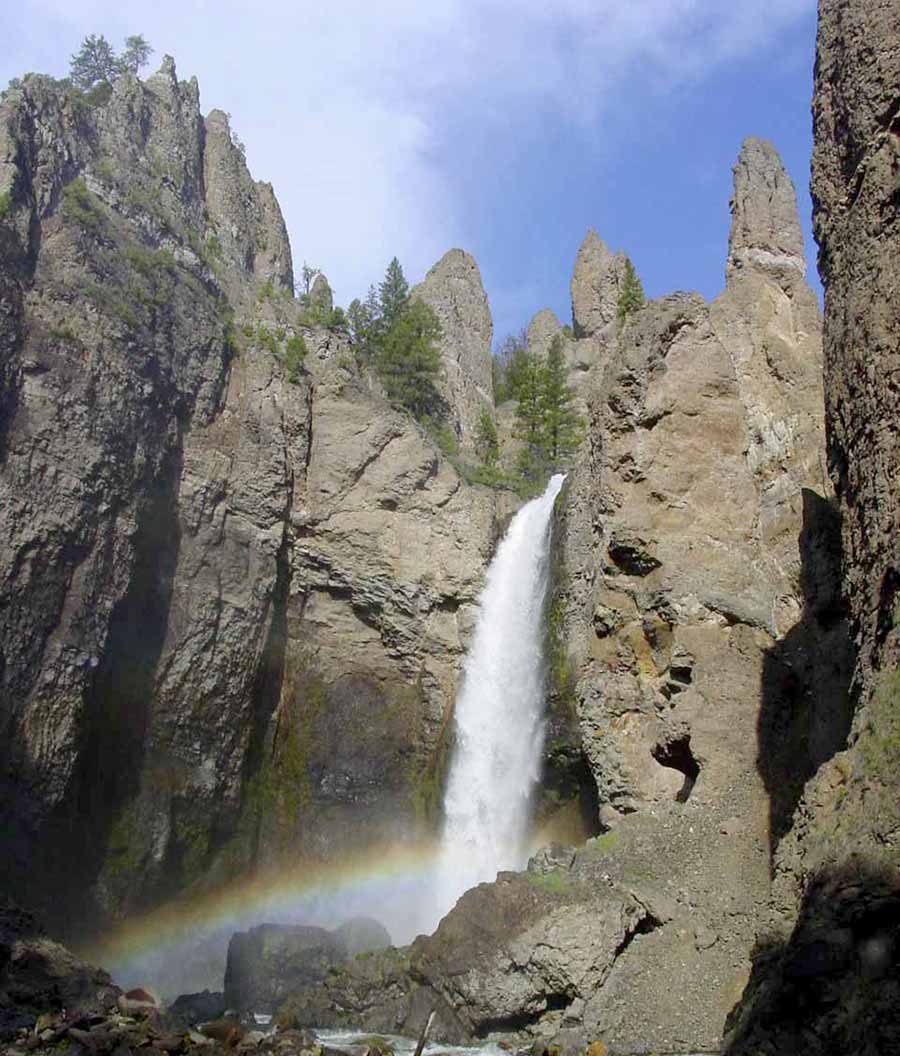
(294, 353)
(80, 206)
(96, 65)
(399, 336)
(547, 424)
(487, 445)
(879, 741)
(552, 883)
(631, 292)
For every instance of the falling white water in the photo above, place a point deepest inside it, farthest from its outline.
(499, 721)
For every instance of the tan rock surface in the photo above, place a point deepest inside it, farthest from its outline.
(453, 289)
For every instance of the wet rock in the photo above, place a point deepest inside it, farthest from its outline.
(190, 1009)
(227, 1030)
(361, 935)
(39, 976)
(268, 962)
(506, 954)
(137, 1002)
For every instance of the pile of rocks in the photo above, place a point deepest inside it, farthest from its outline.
(139, 1024)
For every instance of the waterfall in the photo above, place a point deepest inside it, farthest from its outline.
(499, 721)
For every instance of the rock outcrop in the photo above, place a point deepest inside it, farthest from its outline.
(527, 949)
(857, 223)
(700, 555)
(701, 645)
(117, 343)
(453, 289)
(827, 977)
(595, 288)
(272, 961)
(231, 621)
(765, 230)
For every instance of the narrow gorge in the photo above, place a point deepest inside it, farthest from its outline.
(309, 703)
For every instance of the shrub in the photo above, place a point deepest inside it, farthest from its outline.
(294, 353)
(81, 207)
(6, 204)
(487, 444)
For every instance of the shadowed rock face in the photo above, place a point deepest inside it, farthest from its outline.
(37, 975)
(228, 611)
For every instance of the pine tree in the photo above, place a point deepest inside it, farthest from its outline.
(94, 63)
(408, 361)
(508, 362)
(530, 415)
(487, 444)
(134, 57)
(364, 319)
(399, 336)
(631, 292)
(560, 425)
(393, 294)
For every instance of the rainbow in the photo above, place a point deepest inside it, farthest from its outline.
(182, 945)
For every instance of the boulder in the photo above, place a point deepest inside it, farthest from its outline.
(189, 1010)
(507, 958)
(38, 975)
(270, 961)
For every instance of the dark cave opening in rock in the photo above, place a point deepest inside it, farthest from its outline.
(677, 755)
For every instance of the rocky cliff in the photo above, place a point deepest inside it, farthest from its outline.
(701, 593)
(699, 660)
(827, 977)
(453, 289)
(235, 583)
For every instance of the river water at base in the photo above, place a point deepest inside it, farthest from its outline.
(353, 1042)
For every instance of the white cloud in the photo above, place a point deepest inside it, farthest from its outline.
(344, 106)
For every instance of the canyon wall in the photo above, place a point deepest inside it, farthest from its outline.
(825, 978)
(235, 588)
(699, 659)
(707, 652)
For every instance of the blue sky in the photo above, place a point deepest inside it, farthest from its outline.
(505, 127)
